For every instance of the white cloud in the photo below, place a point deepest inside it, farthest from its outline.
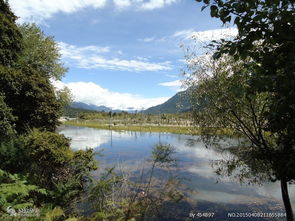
(90, 57)
(171, 76)
(143, 4)
(68, 50)
(153, 4)
(91, 93)
(122, 3)
(205, 36)
(176, 83)
(39, 10)
(149, 39)
(183, 33)
(199, 36)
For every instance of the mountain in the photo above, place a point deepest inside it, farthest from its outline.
(180, 102)
(83, 106)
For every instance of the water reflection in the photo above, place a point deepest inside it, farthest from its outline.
(130, 149)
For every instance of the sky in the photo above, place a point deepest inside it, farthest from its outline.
(123, 54)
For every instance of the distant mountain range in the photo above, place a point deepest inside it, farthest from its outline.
(91, 107)
(180, 102)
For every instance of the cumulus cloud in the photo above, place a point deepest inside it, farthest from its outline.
(39, 10)
(198, 36)
(176, 83)
(153, 4)
(122, 3)
(171, 75)
(91, 93)
(91, 57)
(209, 35)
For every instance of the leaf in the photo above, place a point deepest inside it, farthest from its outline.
(214, 11)
(237, 21)
(53, 214)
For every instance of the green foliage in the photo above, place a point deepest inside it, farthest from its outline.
(102, 196)
(54, 166)
(26, 86)
(267, 42)
(229, 105)
(40, 52)
(6, 121)
(259, 155)
(265, 39)
(48, 153)
(10, 36)
(37, 166)
(170, 123)
(16, 192)
(48, 161)
(13, 158)
(140, 128)
(31, 97)
(54, 214)
(64, 97)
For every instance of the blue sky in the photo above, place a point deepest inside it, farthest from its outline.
(121, 53)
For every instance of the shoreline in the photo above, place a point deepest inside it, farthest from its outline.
(174, 129)
(139, 128)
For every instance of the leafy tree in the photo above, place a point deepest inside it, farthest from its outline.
(10, 36)
(26, 85)
(31, 97)
(258, 156)
(266, 39)
(47, 161)
(6, 121)
(54, 166)
(37, 166)
(40, 52)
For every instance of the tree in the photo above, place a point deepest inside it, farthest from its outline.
(31, 97)
(40, 52)
(54, 166)
(221, 89)
(26, 85)
(6, 121)
(10, 36)
(265, 37)
(47, 161)
(37, 165)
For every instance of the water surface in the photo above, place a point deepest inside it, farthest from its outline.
(207, 191)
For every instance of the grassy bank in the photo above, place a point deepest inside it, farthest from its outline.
(175, 129)
(132, 127)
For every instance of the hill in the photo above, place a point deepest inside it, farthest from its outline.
(91, 107)
(180, 102)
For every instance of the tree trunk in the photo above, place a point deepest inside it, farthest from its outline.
(286, 199)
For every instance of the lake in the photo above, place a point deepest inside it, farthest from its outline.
(207, 192)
